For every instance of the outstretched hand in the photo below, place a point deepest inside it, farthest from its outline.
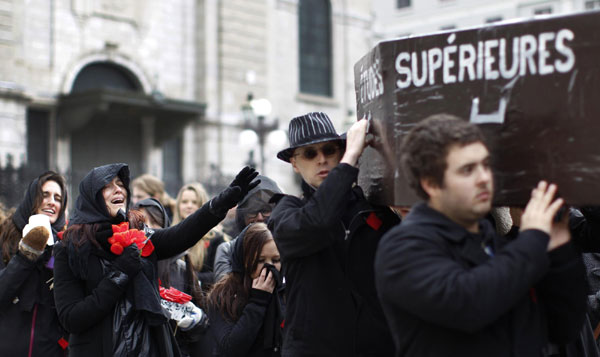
(243, 180)
(540, 211)
(236, 191)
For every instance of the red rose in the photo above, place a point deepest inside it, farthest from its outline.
(148, 248)
(123, 237)
(116, 248)
(174, 295)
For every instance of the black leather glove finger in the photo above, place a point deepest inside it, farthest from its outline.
(244, 179)
(252, 185)
(130, 261)
(225, 200)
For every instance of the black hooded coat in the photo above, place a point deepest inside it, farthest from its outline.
(96, 302)
(28, 321)
(257, 332)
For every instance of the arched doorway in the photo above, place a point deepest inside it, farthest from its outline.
(108, 118)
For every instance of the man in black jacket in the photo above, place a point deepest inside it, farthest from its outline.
(327, 241)
(450, 286)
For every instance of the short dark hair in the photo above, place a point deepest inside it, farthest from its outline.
(425, 148)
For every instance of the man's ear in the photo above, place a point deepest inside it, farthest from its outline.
(293, 162)
(429, 186)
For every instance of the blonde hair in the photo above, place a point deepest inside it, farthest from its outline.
(201, 196)
(197, 253)
(155, 188)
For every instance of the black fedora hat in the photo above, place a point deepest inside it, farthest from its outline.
(307, 129)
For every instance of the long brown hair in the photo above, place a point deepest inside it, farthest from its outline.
(10, 234)
(230, 294)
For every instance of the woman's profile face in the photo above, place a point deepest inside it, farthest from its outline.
(188, 204)
(268, 254)
(51, 200)
(115, 196)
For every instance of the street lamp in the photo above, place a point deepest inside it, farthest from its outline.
(256, 127)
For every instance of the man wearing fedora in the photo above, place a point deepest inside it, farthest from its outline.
(327, 240)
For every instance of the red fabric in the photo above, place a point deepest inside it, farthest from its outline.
(63, 343)
(32, 335)
(374, 222)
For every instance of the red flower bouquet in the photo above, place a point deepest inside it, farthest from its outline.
(123, 237)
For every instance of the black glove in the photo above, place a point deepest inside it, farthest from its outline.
(130, 261)
(243, 180)
(236, 191)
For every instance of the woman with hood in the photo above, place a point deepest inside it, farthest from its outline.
(108, 298)
(255, 207)
(245, 307)
(28, 322)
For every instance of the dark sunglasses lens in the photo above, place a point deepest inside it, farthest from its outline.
(309, 154)
(329, 150)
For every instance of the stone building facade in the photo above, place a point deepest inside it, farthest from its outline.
(161, 84)
(398, 18)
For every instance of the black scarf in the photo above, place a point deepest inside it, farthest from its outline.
(90, 208)
(25, 208)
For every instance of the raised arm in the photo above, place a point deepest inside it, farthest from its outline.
(304, 228)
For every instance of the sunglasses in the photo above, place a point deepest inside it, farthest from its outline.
(264, 213)
(327, 150)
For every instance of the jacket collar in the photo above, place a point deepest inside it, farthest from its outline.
(422, 214)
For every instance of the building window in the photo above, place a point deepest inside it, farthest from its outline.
(542, 11)
(401, 4)
(493, 19)
(592, 4)
(315, 47)
(37, 139)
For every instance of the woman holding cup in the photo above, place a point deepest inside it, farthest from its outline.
(28, 321)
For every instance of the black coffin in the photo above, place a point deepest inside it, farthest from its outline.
(532, 86)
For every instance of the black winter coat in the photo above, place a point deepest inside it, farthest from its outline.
(85, 308)
(444, 295)
(28, 322)
(327, 241)
(244, 337)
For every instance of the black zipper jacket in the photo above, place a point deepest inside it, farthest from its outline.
(448, 292)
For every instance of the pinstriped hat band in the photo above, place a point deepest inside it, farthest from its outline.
(308, 129)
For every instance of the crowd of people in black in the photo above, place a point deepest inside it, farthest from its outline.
(130, 271)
